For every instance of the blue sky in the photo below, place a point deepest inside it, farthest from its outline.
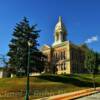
(81, 18)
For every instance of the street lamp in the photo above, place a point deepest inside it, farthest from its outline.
(27, 85)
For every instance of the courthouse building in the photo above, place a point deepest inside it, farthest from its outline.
(63, 56)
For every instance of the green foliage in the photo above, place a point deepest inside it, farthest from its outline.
(90, 60)
(84, 46)
(18, 53)
(92, 63)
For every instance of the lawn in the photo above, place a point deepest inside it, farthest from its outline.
(44, 85)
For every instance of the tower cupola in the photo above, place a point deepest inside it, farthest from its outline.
(59, 32)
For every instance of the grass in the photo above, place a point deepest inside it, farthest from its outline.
(45, 85)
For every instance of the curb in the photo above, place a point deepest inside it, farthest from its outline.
(72, 95)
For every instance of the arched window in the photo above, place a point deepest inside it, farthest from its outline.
(64, 66)
(61, 56)
(64, 55)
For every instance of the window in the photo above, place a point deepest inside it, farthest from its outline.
(64, 66)
(61, 56)
(61, 66)
(64, 54)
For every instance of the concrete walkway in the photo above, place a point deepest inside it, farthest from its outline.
(72, 95)
(95, 96)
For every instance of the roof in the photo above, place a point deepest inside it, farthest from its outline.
(45, 47)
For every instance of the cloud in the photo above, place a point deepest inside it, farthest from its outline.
(92, 39)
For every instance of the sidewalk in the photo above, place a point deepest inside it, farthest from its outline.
(72, 95)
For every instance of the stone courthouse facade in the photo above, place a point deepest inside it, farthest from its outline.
(63, 56)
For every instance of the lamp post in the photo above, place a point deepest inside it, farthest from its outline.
(27, 85)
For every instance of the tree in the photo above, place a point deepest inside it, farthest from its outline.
(97, 69)
(18, 52)
(90, 63)
(84, 46)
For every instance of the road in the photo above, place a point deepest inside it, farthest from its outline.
(91, 97)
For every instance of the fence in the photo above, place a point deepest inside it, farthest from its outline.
(36, 92)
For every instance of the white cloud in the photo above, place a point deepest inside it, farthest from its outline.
(92, 39)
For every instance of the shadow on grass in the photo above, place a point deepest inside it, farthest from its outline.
(69, 79)
(80, 77)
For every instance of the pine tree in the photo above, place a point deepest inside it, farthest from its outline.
(18, 52)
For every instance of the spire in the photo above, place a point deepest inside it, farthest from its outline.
(60, 19)
(60, 32)
(60, 26)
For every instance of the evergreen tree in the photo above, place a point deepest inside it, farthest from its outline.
(18, 53)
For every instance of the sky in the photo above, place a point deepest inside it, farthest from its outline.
(81, 18)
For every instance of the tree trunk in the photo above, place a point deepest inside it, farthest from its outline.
(93, 79)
